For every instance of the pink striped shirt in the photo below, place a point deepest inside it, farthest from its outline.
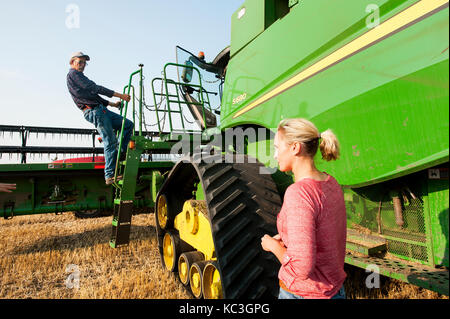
(312, 225)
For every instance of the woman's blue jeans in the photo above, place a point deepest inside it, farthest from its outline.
(287, 295)
(108, 124)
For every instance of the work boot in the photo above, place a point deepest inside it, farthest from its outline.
(110, 180)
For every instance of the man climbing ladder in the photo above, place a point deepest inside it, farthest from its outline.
(85, 94)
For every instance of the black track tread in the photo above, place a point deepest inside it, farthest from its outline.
(242, 207)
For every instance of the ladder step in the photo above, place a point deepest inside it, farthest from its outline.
(121, 223)
(126, 192)
(365, 244)
(116, 223)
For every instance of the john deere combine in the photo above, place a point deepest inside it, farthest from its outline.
(377, 74)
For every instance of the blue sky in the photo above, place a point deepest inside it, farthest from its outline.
(118, 35)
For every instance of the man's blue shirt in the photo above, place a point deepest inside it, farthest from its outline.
(84, 91)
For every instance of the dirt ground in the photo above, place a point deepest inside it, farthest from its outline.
(63, 257)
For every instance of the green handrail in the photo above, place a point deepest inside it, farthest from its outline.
(141, 94)
(200, 85)
(124, 117)
(168, 96)
(166, 81)
(134, 107)
(156, 104)
(177, 101)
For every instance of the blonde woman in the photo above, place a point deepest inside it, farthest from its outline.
(310, 243)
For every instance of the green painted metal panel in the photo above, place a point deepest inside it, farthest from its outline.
(157, 181)
(47, 166)
(438, 200)
(388, 104)
(130, 173)
(51, 191)
(253, 17)
(371, 210)
(292, 3)
(35, 167)
(246, 23)
(63, 187)
(286, 48)
(199, 194)
(422, 276)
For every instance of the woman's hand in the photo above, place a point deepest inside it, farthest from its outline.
(278, 237)
(274, 245)
(269, 243)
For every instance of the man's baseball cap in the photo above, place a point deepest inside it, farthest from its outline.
(80, 55)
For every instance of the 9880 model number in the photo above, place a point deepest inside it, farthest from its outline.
(240, 98)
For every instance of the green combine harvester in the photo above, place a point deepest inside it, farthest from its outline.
(376, 74)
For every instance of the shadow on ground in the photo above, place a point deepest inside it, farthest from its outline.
(84, 239)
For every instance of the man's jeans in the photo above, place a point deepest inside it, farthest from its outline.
(107, 124)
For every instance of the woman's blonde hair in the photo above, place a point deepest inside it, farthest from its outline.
(305, 132)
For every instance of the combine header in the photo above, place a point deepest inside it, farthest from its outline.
(384, 92)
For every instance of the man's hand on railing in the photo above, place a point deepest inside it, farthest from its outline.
(116, 104)
(124, 97)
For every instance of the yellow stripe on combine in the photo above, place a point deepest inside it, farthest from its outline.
(409, 16)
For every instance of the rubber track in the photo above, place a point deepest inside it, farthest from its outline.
(242, 207)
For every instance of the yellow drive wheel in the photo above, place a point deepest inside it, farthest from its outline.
(185, 262)
(162, 211)
(212, 285)
(170, 250)
(195, 278)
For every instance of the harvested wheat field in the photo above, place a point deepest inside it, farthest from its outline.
(37, 250)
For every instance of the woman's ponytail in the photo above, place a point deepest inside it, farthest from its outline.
(329, 146)
(303, 131)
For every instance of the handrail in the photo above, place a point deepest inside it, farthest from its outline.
(166, 82)
(156, 104)
(125, 116)
(134, 108)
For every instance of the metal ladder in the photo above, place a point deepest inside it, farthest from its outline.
(125, 188)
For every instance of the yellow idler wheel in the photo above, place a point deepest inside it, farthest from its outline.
(171, 250)
(195, 278)
(212, 284)
(185, 262)
(163, 211)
